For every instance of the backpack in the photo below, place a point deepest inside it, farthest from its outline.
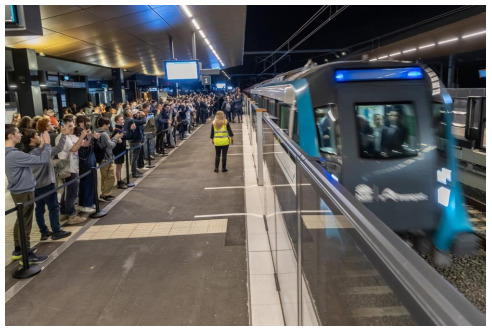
(99, 152)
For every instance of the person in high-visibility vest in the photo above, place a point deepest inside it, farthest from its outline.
(221, 135)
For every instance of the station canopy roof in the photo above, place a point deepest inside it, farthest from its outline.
(136, 37)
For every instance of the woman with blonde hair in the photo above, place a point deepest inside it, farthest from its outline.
(221, 135)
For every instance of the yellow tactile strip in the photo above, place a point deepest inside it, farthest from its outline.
(154, 229)
(326, 222)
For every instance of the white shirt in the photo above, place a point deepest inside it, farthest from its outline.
(66, 154)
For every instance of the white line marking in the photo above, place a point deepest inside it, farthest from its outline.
(225, 215)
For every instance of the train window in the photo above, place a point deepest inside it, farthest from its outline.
(295, 130)
(386, 130)
(327, 128)
(284, 117)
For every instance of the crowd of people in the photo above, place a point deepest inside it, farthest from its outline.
(44, 151)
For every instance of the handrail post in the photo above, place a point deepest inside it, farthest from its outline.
(25, 271)
(98, 213)
(127, 167)
(148, 153)
(259, 143)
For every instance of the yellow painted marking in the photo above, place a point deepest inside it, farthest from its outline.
(326, 222)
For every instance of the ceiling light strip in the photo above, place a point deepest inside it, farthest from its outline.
(426, 46)
(473, 34)
(197, 26)
(447, 41)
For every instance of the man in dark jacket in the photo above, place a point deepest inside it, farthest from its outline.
(161, 125)
(121, 146)
(227, 108)
(137, 139)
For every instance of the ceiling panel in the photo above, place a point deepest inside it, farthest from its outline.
(87, 31)
(52, 11)
(12, 40)
(70, 21)
(109, 12)
(45, 41)
(135, 19)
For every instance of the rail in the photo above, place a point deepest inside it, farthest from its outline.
(327, 228)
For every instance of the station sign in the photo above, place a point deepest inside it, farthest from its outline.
(206, 80)
(68, 84)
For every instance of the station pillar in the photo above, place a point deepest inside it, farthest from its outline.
(118, 85)
(29, 98)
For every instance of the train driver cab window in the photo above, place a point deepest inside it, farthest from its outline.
(386, 131)
(326, 118)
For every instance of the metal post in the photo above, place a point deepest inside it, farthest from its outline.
(99, 212)
(259, 143)
(299, 243)
(25, 271)
(148, 154)
(127, 166)
(193, 45)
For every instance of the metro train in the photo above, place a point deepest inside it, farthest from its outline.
(383, 130)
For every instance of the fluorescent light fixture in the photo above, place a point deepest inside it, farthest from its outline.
(375, 59)
(202, 34)
(206, 40)
(447, 41)
(186, 10)
(425, 46)
(473, 34)
(195, 23)
(409, 50)
(12, 85)
(394, 54)
(211, 48)
(382, 57)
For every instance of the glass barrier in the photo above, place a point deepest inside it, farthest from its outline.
(335, 262)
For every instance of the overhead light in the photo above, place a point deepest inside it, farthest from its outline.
(372, 59)
(42, 85)
(382, 57)
(447, 41)
(473, 34)
(201, 33)
(42, 54)
(211, 48)
(206, 40)
(425, 46)
(344, 53)
(409, 50)
(186, 10)
(12, 86)
(394, 54)
(195, 23)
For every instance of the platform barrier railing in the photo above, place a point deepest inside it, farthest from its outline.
(335, 262)
(29, 271)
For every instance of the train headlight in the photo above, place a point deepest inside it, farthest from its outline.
(443, 196)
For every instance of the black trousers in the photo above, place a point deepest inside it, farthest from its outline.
(223, 150)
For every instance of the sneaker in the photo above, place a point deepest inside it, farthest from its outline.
(152, 157)
(45, 236)
(72, 220)
(16, 255)
(110, 197)
(122, 185)
(87, 210)
(137, 176)
(35, 259)
(104, 198)
(225, 170)
(63, 217)
(60, 234)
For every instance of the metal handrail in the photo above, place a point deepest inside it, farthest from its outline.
(427, 295)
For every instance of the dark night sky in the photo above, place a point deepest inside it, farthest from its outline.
(267, 27)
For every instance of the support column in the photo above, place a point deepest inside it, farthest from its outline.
(193, 45)
(171, 47)
(451, 70)
(28, 91)
(118, 85)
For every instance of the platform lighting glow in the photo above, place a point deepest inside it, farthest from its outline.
(447, 41)
(382, 57)
(426, 46)
(394, 54)
(375, 59)
(409, 50)
(473, 34)
(206, 41)
(356, 75)
(195, 23)
(202, 34)
(186, 10)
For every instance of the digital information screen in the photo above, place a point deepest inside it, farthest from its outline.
(181, 70)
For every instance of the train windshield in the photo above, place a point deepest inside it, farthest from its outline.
(386, 131)
(326, 119)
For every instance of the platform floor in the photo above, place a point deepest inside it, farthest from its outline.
(164, 255)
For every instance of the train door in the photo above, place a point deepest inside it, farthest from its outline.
(389, 151)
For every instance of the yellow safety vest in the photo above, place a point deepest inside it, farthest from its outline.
(221, 137)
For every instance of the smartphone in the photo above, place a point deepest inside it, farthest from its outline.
(151, 116)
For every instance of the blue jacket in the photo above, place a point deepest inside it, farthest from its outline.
(138, 133)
